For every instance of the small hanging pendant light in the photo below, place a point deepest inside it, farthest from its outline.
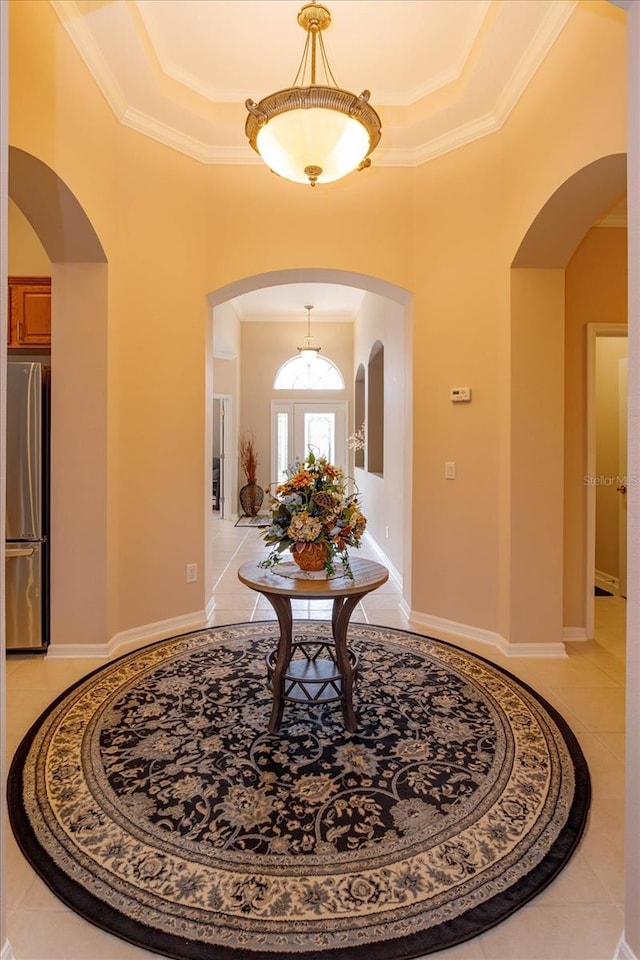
(309, 352)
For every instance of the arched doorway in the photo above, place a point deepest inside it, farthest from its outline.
(544, 513)
(400, 300)
(79, 411)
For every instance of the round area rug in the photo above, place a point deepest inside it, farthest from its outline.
(154, 803)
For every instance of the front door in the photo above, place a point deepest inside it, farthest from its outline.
(302, 426)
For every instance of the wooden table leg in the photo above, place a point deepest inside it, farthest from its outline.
(282, 607)
(343, 607)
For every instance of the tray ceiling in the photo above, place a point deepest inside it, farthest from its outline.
(441, 73)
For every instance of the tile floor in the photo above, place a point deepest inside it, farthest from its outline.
(578, 917)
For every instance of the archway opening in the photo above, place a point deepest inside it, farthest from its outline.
(548, 498)
(398, 301)
(79, 563)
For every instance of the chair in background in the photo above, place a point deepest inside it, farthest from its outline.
(216, 483)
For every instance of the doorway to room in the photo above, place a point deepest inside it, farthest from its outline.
(220, 453)
(606, 479)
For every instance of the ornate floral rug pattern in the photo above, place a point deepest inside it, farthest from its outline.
(153, 802)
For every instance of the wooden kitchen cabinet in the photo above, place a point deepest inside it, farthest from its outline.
(29, 312)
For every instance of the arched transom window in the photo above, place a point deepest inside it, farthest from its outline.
(298, 374)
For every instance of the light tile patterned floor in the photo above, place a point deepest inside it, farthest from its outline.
(578, 917)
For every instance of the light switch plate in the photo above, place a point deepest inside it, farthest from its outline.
(460, 394)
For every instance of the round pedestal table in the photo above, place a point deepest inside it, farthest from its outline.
(313, 671)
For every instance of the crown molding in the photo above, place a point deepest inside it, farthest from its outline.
(73, 22)
(390, 157)
(80, 36)
(548, 32)
(438, 146)
(171, 137)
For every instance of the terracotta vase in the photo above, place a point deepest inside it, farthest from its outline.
(251, 497)
(309, 556)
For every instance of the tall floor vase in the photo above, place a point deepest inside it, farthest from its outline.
(251, 497)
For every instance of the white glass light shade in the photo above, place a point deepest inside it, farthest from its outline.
(309, 354)
(313, 137)
(313, 133)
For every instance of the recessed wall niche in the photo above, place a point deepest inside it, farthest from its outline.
(359, 411)
(375, 410)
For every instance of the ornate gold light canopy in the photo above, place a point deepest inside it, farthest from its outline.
(313, 134)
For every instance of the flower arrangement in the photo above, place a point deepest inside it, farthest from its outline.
(357, 441)
(312, 507)
(248, 458)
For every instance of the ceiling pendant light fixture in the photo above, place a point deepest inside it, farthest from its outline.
(314, 133)
(309, 352)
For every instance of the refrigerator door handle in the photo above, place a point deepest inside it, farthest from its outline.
(19, 552)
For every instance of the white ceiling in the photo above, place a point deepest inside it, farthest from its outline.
(441, 74)
(331, 302)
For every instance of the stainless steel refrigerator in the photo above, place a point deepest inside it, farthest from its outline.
(27, 507)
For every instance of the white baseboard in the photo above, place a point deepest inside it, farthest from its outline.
(624, 951)
(451, 630)
(132, 639)
(384, 559)
(6, 953)
(574, 633)
(210, 607)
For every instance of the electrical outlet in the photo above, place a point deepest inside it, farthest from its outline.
(192, 572)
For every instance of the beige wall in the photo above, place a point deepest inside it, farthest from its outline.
(595, 292)
(158, 322)
(537, 440)
(175, 230)
(379, 319)
(26, 255)
(79, 474)
(460, 314)
(226, 332)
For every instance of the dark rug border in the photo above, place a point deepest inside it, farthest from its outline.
(443, 936)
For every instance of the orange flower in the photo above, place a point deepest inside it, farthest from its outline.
(301, 479)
